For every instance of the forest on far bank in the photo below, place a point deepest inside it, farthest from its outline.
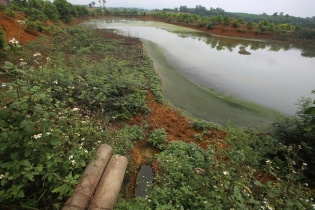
(279, 25)
(276, 17)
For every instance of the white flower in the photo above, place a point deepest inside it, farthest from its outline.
(55, 82)
(268, 161)
(75, 109)
(226, 173)
(20, 21)
(14, 42)
(37, 54)
(72, 162)
(48, 133)
(4, 84)
(23, 63)
(48, 59)
(71, 157)
(304, 164)
(86, 151)
(1, 176)
(38, 136)
(11, 87)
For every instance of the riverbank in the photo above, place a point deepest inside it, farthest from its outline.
(94, 87)
(220, 29)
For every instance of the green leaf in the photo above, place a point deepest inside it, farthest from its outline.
(30, 176)
(5, 114)
(14, 155)
(28, 127)
(310, 111)
(54, 142)
(26, 163)
(8, 65)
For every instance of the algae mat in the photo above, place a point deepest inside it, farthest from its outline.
(205, 103)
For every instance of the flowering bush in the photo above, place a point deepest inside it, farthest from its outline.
(247, 174)
(55, 112)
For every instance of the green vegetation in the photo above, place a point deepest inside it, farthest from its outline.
(41, 10)
(2, 39)
(158, 138)
(60, 97)
(276, 18)
(299, 131)
(55, 109)
(246, 174)
(290, 27)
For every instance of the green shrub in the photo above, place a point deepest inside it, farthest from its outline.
(298, 132)
(250, 25)
(37, 15)
(34, 26)
(211, 26)
(56, 112)
(2, 7)
(216, 178)
(235, 25)
(2, 39)
(203, 125)
(201, 24)
(158, 138)
(9, 13)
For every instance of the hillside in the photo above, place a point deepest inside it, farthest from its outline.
(64, 93)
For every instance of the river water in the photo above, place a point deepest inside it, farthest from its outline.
(275, 75)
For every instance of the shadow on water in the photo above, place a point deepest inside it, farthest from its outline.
(226, 43)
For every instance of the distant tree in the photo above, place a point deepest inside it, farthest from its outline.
(275, 14)
(183, 9)
(250, 25)
(50, 10)
(226, 20)
(64, 9)
(240, 20)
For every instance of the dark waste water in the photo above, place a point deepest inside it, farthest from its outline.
(144, 180)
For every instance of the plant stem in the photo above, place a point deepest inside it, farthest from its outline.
(16, 77)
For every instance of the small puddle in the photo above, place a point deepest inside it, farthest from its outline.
(144, 181)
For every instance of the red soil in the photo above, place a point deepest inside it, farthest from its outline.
(13, 29)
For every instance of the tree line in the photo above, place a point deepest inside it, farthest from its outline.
(276, 18)
(282, 30)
